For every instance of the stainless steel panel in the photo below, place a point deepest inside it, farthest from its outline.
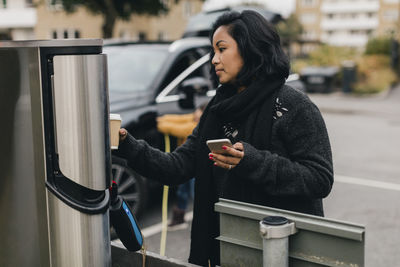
(52, 43)
(80, 104)
(77, 239)
(23, 220)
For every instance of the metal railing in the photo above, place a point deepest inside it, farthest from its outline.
(311, 240)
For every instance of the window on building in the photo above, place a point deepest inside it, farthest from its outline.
(391, 15)
(162, 36)
(124, 34)
(390, 31)
(308, 2)
(142, 36)
(187, 9)
(65, 34)
(77, 34)
(5, 35)
(29, 3)
(308, 18)
(309, 35)
(54, 4)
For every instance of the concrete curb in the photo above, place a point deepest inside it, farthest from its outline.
(124, 258)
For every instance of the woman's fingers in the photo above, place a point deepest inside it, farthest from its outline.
(230, 158)
(235, 151)
(238, 146)
(224, 165)
(122, 134)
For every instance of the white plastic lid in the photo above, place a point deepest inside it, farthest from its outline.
(114, 116)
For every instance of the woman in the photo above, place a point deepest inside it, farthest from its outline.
(281, 155)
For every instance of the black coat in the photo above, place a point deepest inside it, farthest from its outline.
(295, 174)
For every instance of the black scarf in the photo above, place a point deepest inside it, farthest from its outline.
(253, 109)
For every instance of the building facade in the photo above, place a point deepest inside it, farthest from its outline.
(54, 23)
(17, 19)
(348, 22)
(46, 19)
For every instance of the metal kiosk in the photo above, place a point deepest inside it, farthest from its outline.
(55, 161)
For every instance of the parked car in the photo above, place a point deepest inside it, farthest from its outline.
(320, 79)
(200, 24)
(147, 80)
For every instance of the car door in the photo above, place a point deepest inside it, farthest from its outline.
(191, 88)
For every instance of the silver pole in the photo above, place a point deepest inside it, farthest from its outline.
(275, 231)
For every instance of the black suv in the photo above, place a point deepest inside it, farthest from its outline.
(147, 80)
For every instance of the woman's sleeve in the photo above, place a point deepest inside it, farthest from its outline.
(307, 171)
(167, 168)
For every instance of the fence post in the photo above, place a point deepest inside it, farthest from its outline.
(275, 231)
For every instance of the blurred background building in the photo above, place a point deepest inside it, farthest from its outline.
(334, 22)
(17, 19)
(46, 19)
(347, 22)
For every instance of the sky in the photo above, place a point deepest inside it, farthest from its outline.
(284, 7)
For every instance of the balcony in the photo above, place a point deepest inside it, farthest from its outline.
(347, 24)
(350, 7)
(17, 18)
(342, 39)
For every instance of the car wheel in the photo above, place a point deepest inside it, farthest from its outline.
(131, 186)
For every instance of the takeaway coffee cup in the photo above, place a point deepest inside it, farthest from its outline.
(115, 125)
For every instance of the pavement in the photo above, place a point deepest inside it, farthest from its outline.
(338, 102)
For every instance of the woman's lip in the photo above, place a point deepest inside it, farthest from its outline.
(218, 71)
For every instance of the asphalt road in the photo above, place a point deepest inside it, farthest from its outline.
(365, 139)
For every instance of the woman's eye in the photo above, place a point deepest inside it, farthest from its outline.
(221, 49)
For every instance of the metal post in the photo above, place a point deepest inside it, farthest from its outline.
(275, 231)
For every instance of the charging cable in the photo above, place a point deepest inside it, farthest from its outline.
(164, 221)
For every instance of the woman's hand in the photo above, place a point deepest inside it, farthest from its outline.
(231, 157)
(122, 134)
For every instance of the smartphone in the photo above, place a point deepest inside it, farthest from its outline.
(215, 145)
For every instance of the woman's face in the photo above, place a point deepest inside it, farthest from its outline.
(227, 60)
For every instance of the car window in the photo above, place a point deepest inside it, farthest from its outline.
(133, 68)
(202, 71)
(196, 77)
(182, 63)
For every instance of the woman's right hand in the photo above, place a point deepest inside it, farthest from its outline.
(123, 133)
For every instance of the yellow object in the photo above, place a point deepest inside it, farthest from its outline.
(179, 126)
(164, 224)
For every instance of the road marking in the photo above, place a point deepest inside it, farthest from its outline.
(367, 182)
(156, 228)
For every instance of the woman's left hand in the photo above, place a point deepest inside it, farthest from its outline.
(230, 158)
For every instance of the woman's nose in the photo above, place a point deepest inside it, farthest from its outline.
(215, 59)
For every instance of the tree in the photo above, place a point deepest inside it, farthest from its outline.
(111, 10)
(379, 45)
(290, 30)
